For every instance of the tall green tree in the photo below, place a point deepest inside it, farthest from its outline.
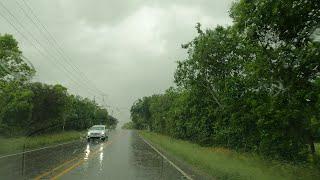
(15, 97)
(252, 86)
(49, 105)
(31, 108)
(12, 65)
(287, 68)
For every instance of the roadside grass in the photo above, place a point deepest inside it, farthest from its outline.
(15, 145)
(222, 163)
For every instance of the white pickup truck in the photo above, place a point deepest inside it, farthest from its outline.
(97, 131)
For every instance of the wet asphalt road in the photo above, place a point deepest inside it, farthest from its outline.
(123, 156)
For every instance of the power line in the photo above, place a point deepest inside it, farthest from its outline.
(49, 41)
(23, 35)
(59, 49)
(16, 75)
(7, 70)
(31, 35)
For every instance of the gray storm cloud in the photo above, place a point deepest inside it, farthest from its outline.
(128, 48)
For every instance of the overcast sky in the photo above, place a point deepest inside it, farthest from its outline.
(128, 49)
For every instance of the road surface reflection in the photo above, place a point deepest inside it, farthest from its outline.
(125, 156)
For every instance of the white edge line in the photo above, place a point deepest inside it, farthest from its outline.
(164, 157)
(29, 151)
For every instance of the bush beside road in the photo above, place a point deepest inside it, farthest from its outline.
(222, 163)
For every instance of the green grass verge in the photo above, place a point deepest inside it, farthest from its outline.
(15, 145)
(222, 163)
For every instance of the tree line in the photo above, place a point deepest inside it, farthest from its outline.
(30, 108)
(253, 86)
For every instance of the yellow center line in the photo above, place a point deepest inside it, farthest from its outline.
(78, 163)
(56, 168)
(81, 161)
(61, 165)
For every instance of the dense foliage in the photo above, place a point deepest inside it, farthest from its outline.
(29, 108)
(253, 86)
(128, 125)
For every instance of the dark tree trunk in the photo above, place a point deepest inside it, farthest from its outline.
(312, 148)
